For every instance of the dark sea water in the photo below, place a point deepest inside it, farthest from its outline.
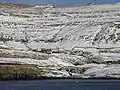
(61, 85)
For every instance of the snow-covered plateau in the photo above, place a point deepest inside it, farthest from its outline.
(74, 42)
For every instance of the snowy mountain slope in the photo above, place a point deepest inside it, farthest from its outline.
(64, 41)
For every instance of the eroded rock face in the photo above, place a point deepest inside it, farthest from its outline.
(65, 41)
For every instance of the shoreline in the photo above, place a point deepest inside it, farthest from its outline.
(57, 78)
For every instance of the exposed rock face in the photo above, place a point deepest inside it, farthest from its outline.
(66, 41)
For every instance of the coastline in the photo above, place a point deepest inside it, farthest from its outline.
(58, 78)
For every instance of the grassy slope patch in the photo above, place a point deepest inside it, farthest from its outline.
(19, 72)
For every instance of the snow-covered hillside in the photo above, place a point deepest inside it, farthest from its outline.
(63, 41)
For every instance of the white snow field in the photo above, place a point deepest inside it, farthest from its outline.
(63, 41)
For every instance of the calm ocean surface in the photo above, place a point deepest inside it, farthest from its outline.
(61, 85)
